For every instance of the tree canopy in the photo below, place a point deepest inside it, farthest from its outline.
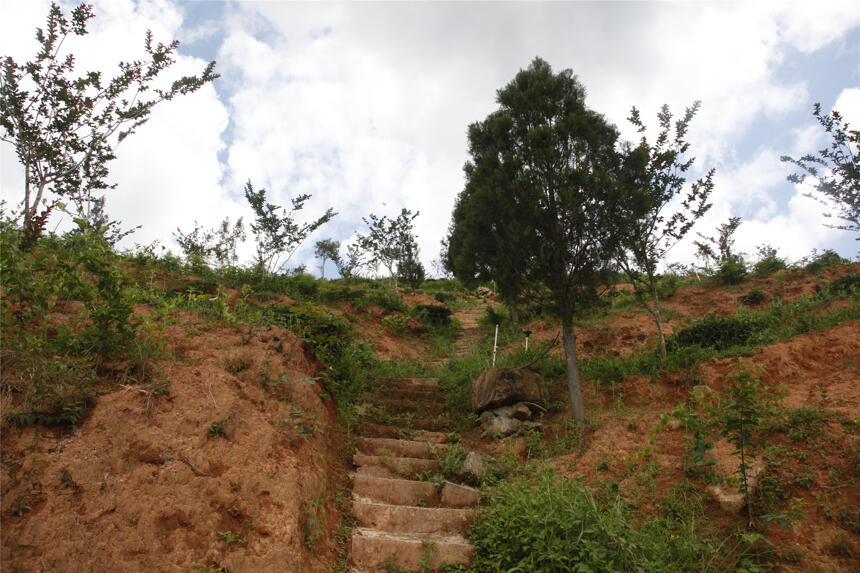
(486, 240)
(561, 193)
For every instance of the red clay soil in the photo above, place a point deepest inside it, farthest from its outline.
(820, 369)
(143, 484)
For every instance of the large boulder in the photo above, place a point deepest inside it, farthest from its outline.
(503, 386)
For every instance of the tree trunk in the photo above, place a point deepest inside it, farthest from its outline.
(512, 305)
(573, 384)
(661, 338)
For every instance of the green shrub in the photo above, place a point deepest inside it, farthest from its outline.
(304, 286)
(433, 315)
(547, 523)
(66, 310)
(805, 422)
(845, 285)
(386, 300)
(753, 297)
(768, 262)
(445, 297)
(820, 261)
(395, 324)
(719, 332)
(731, 271)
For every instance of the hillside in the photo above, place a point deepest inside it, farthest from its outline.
(220, 436)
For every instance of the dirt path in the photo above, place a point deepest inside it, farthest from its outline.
(470, 333)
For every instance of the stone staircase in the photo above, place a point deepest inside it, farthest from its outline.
(470, 332)
(401, 518)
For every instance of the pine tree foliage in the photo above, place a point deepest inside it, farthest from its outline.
(564, 191)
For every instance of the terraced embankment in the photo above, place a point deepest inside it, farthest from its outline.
(401, 516)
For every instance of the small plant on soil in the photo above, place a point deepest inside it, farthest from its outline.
(19, 508)
(571, 440)
(429, 556)
(753, 297)
(203, 568)
(217, 429)
(390, 565)
(395, 324)
(304, 422)
(534, 443)
(229, 538)
(452, 458)
(748, 403)
(314, 519)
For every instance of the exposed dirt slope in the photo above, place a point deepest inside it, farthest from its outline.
(147, 483)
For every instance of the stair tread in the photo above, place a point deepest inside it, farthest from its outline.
(435, 537)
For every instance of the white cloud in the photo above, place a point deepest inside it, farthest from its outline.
(848, 104)
(366, 106)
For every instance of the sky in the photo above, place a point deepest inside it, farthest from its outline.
(365, 105)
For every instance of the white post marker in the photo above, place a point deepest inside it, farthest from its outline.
(495, 340)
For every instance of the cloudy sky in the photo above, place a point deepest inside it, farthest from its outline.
(365, 105)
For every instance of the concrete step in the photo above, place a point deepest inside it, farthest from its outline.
(413, 383)
(410, 423)
(405, 519)
(394, 466)
(395, 491)
(459, 496)
(371, 549)
(382, 431)
(398, 448)
(396, 405)
(412, 393)
(438, 424)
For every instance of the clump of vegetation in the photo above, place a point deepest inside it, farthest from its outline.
(549, 523)
(218, 428)
(817, 262)
(719, 332)
(753, 297)
(66, 313)
(845, 285)
(768, 261)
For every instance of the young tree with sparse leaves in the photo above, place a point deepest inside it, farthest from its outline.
(66, 127)
(835, 169)
(729, 266)
(219, 244)
(351, 265)
(656, 221)
(387, 240)
(327, 250)
(277, 233)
